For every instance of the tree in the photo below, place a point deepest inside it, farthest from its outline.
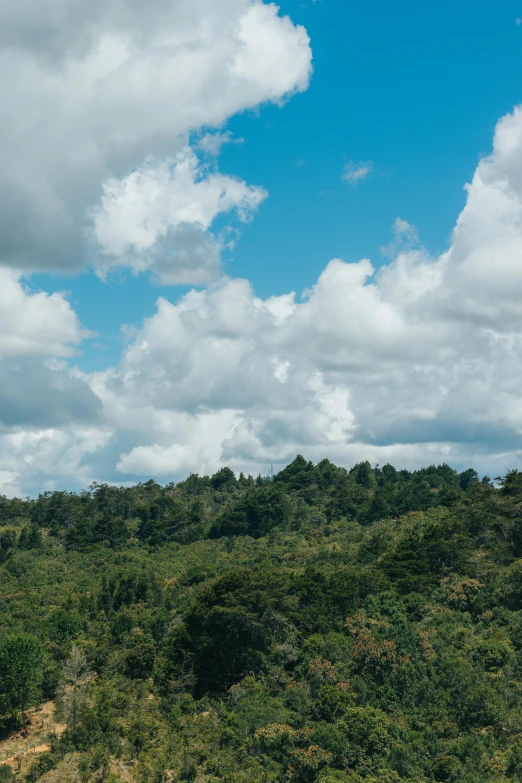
(7, 544)
(30, 538)
(7, 540)
(377, 510)
(363, 474)
(297, 475)
(76, 672)
(223, 479)
(255, 513)
(367, 732)
(139, 660)
(21, 660)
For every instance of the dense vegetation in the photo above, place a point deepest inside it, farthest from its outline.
(324, 625)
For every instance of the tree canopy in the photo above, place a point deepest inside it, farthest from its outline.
(319, 625)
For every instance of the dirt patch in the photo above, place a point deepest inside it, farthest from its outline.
(12, 760)
(34, 738)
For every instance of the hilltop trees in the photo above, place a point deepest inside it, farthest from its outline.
(318, 626)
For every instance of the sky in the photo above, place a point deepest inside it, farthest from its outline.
(233, 234)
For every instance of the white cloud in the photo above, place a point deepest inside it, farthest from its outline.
(99, 100)
(355, 172)
(199, 451)
(43, 404)
(405, 237)
(90, 90)
(281, 369)
(211, 143)
(161, 199)
(416, 362)
(35, 324)
(8, 484)
(35, 460)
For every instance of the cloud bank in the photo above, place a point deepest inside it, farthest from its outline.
(418, 361)
(414, 362)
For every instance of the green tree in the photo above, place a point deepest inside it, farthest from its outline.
(255, 513)
(514, 765)
(7, 540)
(76, 673)
(223, 479)
(30, 538)
(363, 474)
(139, 660)
(21, 659)
(366, 730)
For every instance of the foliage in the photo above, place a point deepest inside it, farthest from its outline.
(319, 625)
(20, 670)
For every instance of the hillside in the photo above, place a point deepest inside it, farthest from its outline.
(324, 625)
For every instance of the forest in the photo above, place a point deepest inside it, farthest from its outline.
(322, 624)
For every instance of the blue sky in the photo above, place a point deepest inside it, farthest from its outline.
(139, 341)
(414, 89)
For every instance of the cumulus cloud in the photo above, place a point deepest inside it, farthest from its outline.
(38, 394)
(92, 90)
(36, 460)
(414, 362)
(99, 102)
(41, 398)
(483, 269)
(35, 324)
(224, 375)
(160, 208)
